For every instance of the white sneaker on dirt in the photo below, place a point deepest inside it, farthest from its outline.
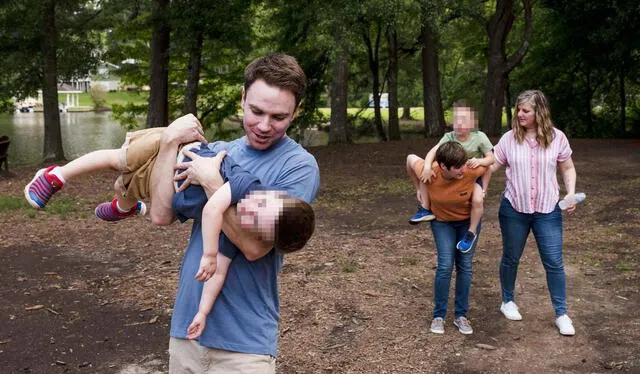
(437, 326)
(565, 325)
(510, 310)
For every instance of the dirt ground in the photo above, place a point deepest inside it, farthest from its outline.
(82, 296)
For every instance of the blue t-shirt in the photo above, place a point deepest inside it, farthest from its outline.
(189, 203)
(245, 315)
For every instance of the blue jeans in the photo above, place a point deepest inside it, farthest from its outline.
(447, 235)
(547, 229)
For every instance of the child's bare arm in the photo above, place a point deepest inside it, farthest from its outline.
(210, 293)
(427, 173)
(487, 160)
(212, 216)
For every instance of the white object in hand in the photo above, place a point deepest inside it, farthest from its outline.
(572, 200)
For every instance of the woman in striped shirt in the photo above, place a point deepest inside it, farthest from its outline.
(532, 151)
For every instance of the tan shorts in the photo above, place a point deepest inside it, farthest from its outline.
(188, 356)
(139, 153)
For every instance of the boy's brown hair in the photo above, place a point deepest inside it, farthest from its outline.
(280, 70)
(451, 154)
(294, 226)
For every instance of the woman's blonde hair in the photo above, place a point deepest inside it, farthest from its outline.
(540, 106)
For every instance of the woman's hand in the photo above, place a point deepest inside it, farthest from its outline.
(203, 171)
(570, 208)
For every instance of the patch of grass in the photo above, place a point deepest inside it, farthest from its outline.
(9, 203)
(349, 267)
(62, 206)
(411, 261)
(393, 187)
(623, 268)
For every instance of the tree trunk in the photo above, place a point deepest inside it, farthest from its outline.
(587, 107)
(374, 66)
(52, 134)
(339, 92)
(507, 102)
(622, 126)
(406, 113)
(433, 113)
(499, 66)
(191, 91)
(394, 123)
(158, 112)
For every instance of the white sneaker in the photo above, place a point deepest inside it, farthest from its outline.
(510, 310)
(565, 325)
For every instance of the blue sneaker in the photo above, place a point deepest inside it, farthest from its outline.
(467, 242)
(422, 215)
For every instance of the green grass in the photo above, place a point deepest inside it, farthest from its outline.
(411, 261)
(9, 203)
(349, 267)
(121, 97)
(61, 206)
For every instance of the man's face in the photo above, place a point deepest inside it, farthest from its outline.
(452, 172)
(268, 111)
(259, 211)
(464, 120)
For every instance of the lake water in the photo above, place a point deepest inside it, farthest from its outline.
(81, 133)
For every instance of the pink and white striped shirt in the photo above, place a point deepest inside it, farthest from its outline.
(531, 182)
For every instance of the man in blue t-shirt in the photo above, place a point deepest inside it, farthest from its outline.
(241, 333)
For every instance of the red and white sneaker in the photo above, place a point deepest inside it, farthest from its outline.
(109, 211)
(42, 187)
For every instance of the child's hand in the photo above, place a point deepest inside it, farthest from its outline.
(207, 268)
(427, 174)
(196, 327)
(473, 163)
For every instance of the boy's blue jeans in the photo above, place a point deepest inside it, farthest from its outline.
(447, 235)
(547, 230)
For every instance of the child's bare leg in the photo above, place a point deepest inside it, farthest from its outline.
(92, 162)
(124, 203)
(477, 208)
(414, 163)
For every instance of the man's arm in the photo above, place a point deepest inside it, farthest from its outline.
(211, 226)
(183, 130)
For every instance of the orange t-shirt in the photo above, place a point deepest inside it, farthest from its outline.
(451, 199)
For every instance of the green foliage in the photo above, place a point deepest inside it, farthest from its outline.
(98, 95)
(130, 115)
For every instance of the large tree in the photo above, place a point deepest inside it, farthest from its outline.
(44, 42)
(499, 64)
(158, 112)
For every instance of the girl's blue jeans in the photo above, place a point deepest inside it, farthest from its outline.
(447, 235)
(547, 230)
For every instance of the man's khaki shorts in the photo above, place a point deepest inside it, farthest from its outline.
(137, 158)
(188, 356)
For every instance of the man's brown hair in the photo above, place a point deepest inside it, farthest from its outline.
(294, 226)
(451, 154)
(280, 70)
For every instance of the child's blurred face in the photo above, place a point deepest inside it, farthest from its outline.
(464, 120)
(259, 211)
